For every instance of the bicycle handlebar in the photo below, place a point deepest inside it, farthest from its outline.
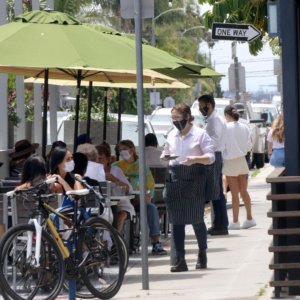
(86, 185)
(33, 188)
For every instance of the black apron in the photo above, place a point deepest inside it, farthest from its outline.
(185, 194)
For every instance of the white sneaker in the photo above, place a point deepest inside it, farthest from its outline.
(248, 224)
(234, 226)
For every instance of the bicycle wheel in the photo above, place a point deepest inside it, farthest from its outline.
(125, 249)
(20, 276)
(103, 270)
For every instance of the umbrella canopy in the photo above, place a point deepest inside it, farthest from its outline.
(175, 84)
(189, 72)
(53, 39)
(55, 45)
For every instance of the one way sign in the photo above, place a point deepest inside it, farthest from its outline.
(234, 32)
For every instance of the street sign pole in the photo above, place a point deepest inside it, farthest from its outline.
(140, 9)
(235, 32)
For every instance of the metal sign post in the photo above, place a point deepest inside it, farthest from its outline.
(140, 9)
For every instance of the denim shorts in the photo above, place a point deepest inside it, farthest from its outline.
(277, 157)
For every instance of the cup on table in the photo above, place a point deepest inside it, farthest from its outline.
(119, 190)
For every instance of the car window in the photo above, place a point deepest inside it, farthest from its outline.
(130, 131)
(220, 109)
(161, 118)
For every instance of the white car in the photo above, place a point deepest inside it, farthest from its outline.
(130, 128)
(269, 109)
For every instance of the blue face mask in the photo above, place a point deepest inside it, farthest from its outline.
(180, 124)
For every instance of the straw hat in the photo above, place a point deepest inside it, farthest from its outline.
(22, 148)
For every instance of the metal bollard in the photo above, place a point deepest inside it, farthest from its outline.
(71, 282)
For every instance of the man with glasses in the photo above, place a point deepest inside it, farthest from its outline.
(216, 127)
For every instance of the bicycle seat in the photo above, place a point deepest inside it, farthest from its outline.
(80, 192)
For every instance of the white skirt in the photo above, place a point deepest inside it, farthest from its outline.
(235, 167)
(125, 204)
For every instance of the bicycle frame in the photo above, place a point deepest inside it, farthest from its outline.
(38, 228)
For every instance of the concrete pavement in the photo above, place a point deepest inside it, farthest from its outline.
(237, 263)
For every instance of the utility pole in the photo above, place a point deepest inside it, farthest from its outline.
(236, 72)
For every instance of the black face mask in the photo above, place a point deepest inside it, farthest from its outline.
(180, 124)
(204, 110)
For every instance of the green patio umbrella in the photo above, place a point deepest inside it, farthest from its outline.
(54, 45)
(190, 73)
(56, 40)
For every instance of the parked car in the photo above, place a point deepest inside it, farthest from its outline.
(267, 111)
(259, 152)
(130, 128)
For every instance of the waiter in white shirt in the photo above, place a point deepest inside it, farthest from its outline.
(216, 128)
(189, 149)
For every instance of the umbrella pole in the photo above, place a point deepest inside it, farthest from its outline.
(89, 109)
(105, 115)
(45, 110)
(120, 102)
(77, 110)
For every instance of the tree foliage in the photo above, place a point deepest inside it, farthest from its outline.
(242, 11)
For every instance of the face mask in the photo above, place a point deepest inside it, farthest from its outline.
(69, 166)
(125, 154)
(180, 124)
(204, 110)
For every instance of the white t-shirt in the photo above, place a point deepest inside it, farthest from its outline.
(152, 157)
(216, 128)
(275, 143)
(118, 173)
(95, 171)
(196, 143)
(237, 140)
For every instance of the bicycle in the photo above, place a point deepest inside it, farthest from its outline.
(35, 259)
(125, 249)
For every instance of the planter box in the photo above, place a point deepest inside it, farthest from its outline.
(12, 133)
(96, 131)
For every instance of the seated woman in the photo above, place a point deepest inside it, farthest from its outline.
(34, 172)
(129, 164)
(61, 165)
(117, 177)
(23, 149)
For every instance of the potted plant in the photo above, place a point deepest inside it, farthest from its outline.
(96, 129)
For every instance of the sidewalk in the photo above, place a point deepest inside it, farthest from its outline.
(237, 263)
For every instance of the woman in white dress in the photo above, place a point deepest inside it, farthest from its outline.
(235, 168)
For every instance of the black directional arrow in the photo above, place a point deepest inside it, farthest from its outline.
(235, 32)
